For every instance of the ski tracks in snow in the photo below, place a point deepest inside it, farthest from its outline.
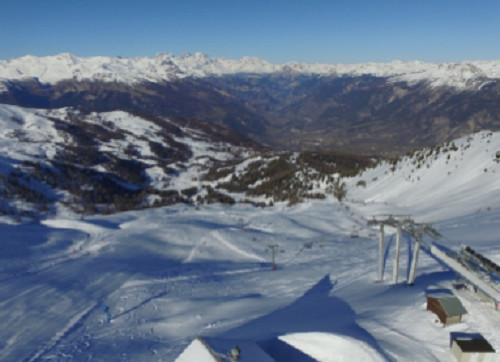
(216, 236)
(73, 324)
(234, 248)
(137, 283)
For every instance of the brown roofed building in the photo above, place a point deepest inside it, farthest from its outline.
(446, 306)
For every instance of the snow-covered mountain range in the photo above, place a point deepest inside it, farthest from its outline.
(167, 67)
(103, 162)
(115, 161)
(370, 108)
(50, 158)
(127, 234)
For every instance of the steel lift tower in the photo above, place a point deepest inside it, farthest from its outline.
(401, 223)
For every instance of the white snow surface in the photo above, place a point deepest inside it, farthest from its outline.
(171, 274)
(468, 175)
(331, 348)
(25, 134)
(167, 67)
(220, 351)
(196, 351)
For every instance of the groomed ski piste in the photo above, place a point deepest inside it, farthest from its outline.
(171, 274)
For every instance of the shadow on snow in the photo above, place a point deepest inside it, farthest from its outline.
(315, 311)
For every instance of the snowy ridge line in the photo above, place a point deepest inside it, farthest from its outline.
(88, 228)
(93, 232)
(467, 166)
(168, 67)
(72, 325)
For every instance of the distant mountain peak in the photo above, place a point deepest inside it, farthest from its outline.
(165, 67)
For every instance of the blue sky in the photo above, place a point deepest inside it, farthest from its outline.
(330, 31)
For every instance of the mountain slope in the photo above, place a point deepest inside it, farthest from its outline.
(104, 162)
(434, 181)
(363, 108)
(167, 275)
(363, 114)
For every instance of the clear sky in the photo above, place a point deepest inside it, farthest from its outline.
(329, 31)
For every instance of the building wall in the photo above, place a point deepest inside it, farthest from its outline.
(457, 352)
(434, 306)
(453, 320)
(479, 357)
(471, 356)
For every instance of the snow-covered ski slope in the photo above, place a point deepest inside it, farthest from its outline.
(169, 275)
(437, 183)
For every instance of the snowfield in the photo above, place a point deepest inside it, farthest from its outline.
(171, 274)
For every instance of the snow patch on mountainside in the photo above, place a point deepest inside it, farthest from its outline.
(170, 156)
(449, 175)
(25, 134)
(168, 67)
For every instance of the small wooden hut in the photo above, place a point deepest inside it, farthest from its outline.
(447, 307)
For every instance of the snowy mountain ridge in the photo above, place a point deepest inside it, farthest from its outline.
(370, 108)
(468, 167)
(114, 161)
(167, 67)
(49, 156)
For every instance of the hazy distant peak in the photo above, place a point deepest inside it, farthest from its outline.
(166, 67)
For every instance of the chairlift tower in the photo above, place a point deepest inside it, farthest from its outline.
(395, 270)
(381, 253)
(414, 259)
(406, 224)
(273, 247)
(417, 230)
(396, 221)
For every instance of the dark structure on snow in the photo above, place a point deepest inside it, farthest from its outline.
(447, 307)
(471, 347)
